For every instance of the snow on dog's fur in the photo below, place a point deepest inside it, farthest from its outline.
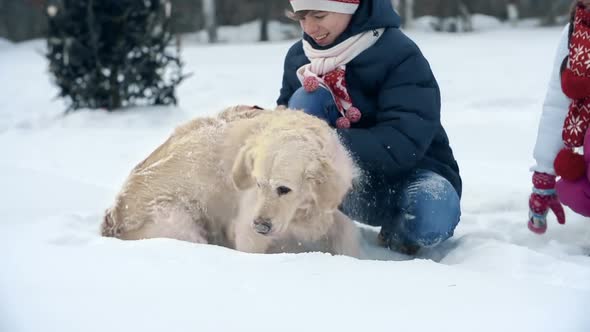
(254, 180)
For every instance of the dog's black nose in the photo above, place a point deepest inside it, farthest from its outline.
(262, 225)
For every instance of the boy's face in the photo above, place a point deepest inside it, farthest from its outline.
(324, 27)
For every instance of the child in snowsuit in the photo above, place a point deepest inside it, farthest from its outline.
(563, 141)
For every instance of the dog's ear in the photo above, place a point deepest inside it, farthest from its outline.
(242, 169)
(330, 185)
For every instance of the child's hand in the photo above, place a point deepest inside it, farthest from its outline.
(541, 201)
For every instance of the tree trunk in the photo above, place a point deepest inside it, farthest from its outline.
(555, 10)
(210, 22)
(512, 12)
(453, 17)
(396, 5)
(408, 13)
(465, 17)
(3, 19)
(405, 9)
(265, 11)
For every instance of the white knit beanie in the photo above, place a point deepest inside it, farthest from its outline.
(336, 6)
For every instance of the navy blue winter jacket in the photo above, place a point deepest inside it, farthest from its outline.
(393, 86)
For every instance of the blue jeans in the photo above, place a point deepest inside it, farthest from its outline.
(319, 103)
(420, 211)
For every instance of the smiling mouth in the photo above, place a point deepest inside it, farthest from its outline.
(320, 38)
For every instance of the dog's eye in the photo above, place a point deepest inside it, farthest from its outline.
(282, 190)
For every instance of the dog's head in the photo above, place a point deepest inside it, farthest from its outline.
(297, 174)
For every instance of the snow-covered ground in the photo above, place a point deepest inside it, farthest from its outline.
(58, 174)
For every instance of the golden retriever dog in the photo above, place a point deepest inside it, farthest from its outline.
(259, 181)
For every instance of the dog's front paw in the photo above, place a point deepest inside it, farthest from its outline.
(108, 227)
(385, 239)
